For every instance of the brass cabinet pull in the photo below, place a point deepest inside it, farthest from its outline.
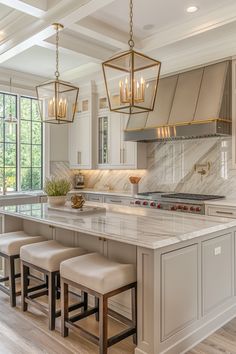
(224, 212)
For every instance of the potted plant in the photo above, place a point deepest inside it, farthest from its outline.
(57, 189)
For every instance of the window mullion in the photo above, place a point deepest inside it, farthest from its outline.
(18, 165)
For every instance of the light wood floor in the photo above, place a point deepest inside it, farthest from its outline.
(27, 333)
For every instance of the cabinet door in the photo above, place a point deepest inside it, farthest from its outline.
(103, 140)
(128, 148)
(80, 142)
(217, 263)
(179, 301)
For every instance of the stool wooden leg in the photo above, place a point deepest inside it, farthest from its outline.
(58, 284)
(134, 311)
(97, 305)
(24, 286)
(52, 299)
(103, 319)
(84, 299)
(64, 308)
(12, 281)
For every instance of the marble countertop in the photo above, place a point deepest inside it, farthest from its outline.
(102, 192)
(16, 195)
(137, 226)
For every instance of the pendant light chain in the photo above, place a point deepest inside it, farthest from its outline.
(131, 33)
(57, 74)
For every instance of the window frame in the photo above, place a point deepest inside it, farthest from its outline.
(18, 143)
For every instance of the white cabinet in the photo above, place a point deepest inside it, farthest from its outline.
(82, 133)
(223, 211)
(80, 142)
(217, 272)
(179, 298)
(113, 151)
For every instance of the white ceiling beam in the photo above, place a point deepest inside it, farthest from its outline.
(67, 13)
(85, 10)
(24, 7)
(81, 72)
(26, 44)
(96, 52)
(52, 46)
(99, 36)
(216, 18)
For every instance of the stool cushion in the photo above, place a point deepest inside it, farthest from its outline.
(49, 254)
(98, 273)
(11, 242)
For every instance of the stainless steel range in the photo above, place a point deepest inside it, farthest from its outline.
(181, 202)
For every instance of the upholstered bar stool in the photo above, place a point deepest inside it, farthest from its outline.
(46, 258)
(10, 244)
(102, 278)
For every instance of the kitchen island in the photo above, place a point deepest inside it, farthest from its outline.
(185, 265)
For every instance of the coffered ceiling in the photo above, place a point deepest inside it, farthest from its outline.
(96, 29)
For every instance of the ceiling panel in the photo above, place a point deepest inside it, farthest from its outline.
(156, 14)
(41, 61)
(4, 11)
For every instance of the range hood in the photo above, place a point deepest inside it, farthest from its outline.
(193, 104)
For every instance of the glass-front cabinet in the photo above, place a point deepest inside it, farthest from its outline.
(113, 151)
(103, 140)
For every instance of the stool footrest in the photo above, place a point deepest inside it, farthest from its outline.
(4, 289)
(78, 328)
(120, 336)
(36, 304)
(83, 314)
(120, 317)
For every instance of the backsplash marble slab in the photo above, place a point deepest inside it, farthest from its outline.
(170, 168)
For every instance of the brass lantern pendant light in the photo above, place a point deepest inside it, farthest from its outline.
(131, 79)
(59, 98)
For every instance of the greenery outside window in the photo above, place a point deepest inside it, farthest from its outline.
(8, 143)
(21, 148)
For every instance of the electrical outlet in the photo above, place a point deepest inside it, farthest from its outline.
(217, 251)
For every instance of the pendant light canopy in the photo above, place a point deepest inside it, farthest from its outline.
(131, 79)
(59, 97)
(11, 118)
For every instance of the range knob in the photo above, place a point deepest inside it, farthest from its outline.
(152, 204)
(145, 203)
(198, 209)
(173, 207)
(159, 206)
(192, 209)
(185, 207)
(137, 202)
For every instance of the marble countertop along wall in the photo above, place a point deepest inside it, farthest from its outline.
(102, 192)
(137, 226)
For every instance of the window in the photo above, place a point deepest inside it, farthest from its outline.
(21, 156)
(30, 145)
(8, 143)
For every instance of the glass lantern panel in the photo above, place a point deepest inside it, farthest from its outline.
(121, 62)
(142, 61)
(118, 84)
(60, 100)
(145, 86)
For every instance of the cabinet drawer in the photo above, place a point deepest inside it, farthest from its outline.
(225, 212)
(217, 272)
(95, 198)
(179, 300)
(117, 200)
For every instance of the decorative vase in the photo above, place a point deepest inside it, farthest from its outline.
(57, 200)
(134, 189)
